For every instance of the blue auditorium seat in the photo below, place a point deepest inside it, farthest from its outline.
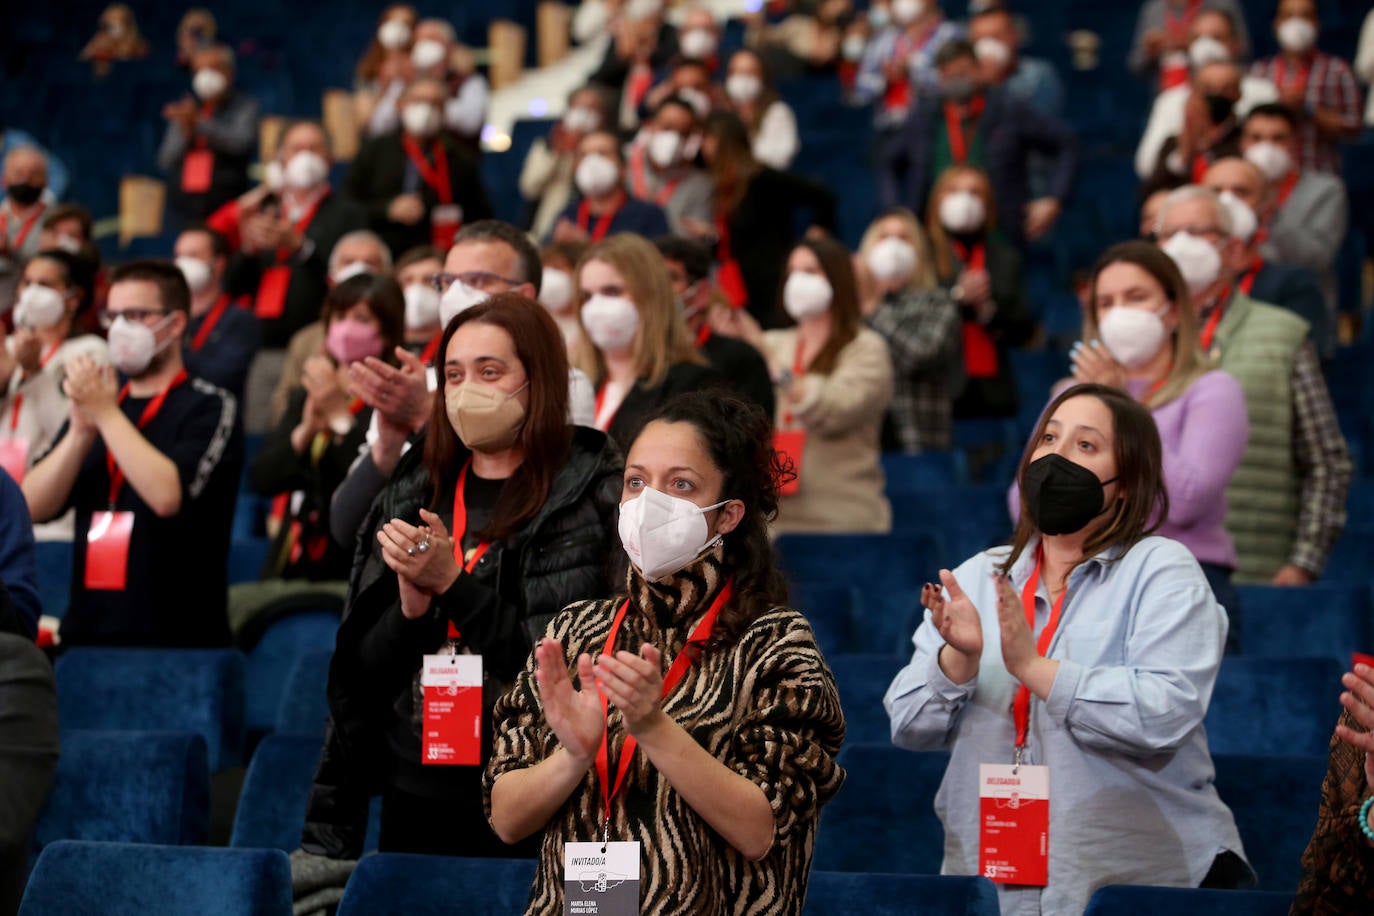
(1350, 557)
(1126, 900)
(188, 690)
(833, 612)
(53, 560)
(395, 884)
(925, 471)
(1274, 705)
(128, 786)
(992, 448)
(1329, 621)
(129, 879)
(269, 663)
(246, 559)
(276, 789)
(1274, 800)
(967, 519)
(304, 706)
(883, 819)
(829, 893)
(862, 680)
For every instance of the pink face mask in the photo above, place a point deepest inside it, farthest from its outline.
(350, 340)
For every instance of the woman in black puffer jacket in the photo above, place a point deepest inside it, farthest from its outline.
(507, 517)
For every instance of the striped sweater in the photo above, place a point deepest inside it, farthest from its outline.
(766, 706)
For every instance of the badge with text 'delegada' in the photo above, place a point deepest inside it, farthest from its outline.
(451, 732)
(1014, 824)
(600, 879)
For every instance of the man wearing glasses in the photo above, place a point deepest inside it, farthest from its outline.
(150, 461)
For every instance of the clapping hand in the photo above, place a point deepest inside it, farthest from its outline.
(957, 622)
(574, 714)
(1359, 699)
(634, 684)
(1094, 364)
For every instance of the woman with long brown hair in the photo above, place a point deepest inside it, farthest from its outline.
(718, 710)
(1076, 666)
(751, 94)
(384, 68)
(502, 519)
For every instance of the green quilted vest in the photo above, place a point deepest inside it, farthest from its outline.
(1258, 344)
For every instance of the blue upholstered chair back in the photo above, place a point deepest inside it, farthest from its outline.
(128, 879)
(185, 690)
(1324, 620)
(276, 789)
(862, 680)
(303, 706)
(831, 893)
(1126, 900)
(393, 884)
(1273, 705)
(133, 787)
(271, 660)
(1274, 800)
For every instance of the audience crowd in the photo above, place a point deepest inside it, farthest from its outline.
(448, 419)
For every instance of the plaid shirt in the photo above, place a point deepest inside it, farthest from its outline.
(1323, 464)
(1330, 85)
(921, 328)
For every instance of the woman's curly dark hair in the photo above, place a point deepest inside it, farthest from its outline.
(739, 438)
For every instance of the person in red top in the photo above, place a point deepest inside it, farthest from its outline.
(151, 466)
(222, 336)
(1318, 87)
(604, 206)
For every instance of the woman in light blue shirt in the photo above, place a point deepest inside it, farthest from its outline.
(1117, 693)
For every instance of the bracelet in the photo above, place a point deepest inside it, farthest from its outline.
(1364, 819)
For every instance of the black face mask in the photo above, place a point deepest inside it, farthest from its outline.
(1219, 107)
(1062, 497)
(25, 195)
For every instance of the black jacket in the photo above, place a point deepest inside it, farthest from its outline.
(565, 554)
(641, 400)
(378, 176)
(743, 368)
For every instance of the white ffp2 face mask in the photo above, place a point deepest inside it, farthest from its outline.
(39, 307)
(198, 273)
(806, 295)
(962, 212)
(1198, 260)
(662, 534)
(422, 306)
(892, 260)
(1132, 335)
(611, 323)
(133, 345)
(458, 298)
(1270, 158)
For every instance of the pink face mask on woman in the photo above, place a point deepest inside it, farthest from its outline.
(350, 340)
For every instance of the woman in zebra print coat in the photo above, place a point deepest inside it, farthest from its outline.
(734, 761)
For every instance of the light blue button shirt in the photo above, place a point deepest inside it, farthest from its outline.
(1139, 644)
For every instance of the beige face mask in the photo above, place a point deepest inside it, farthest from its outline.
(486, 418)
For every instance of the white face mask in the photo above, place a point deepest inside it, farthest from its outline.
(640, 10)
(274, 176)
(892, 260)
(350, 270)
(556, 289)
(1207, 50)
(1243, 219)
(197, 273)
(420, 119)
(664, 148)
(1273, 160)
(879, 17)
(905, 12)
(69, 243)
(663, 534)
(853, 47)
(428, 53)
(992, 51)
(697, 44)
(304, 171)
(422, 306)
(806, 295)
(1197, 259)
(743, 88)
(209, 83)
(393, 34)
(962, 212)
(611, 323)
(581, 120)
(1296, 35)
(39, 307)
(596, 175)
(133, 345)
(700, 101)
(1132, 335)
(458, 298)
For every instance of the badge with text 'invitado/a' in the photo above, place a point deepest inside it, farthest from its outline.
(601, 879)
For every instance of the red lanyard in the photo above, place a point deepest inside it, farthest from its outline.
(797, 369)
(954, 124)
(301, 225)
(601, 399)
(1178, 26)
(1247, 282)
(1209, 330)
(431, 348)
(208, 325)
(1304, 73)
(1289, 181)
(25, 228)
(603, 222)
(703, 335)
(149, 411)
(19, 395)
(460, 528)
(975, 257)
(436, 176)
(1021, 705)
(639, 181)
(675, 674)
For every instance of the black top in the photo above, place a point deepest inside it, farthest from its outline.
(379, 176)
(640, 401)
(338, 215)
(177, 579)
(765, 227)
(743, 368)
(227, 351)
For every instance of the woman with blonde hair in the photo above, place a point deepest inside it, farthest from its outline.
(901, 300)
(635, 347)
(1140, 334)
(983, 272)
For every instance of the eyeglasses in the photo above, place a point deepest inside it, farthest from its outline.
(477, 279)
(141, 316)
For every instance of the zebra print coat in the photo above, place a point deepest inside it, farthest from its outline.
(766, 706)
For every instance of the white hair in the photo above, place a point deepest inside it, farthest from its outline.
(359, 235)
(1197, 192)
